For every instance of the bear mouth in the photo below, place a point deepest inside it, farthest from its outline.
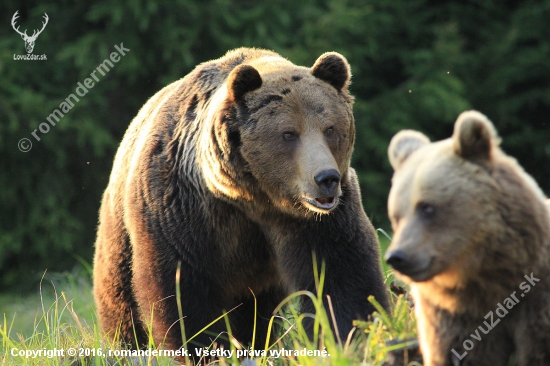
(419, 273)
(419, 276)
(322, 203)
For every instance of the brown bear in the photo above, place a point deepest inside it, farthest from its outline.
(239, 172)
(472, 237)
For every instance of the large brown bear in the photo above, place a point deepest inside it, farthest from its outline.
(240, 171)
(472, 237)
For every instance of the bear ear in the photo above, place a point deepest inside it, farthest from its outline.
(474, 137)
(403, 144)
(333, 68)
(243, 79)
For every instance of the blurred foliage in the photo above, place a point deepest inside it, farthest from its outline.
(416, 63)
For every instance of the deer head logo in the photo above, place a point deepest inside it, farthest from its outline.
(29, 41)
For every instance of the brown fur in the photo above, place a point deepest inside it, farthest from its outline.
(215, 173)
(469, 224)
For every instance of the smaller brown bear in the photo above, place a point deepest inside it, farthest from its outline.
(472, 237)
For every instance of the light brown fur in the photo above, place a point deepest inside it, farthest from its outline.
(469, 225)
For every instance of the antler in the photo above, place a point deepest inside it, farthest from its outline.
(24, 34)
(35, 35)
(15, 16)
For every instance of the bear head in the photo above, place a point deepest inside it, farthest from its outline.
(286, 134)
(460, 208)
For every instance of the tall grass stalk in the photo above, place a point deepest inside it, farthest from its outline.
(66, 319)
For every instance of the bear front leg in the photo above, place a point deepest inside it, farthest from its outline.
(346, 242)
(352, 274)
(242, 318)
(154, 284)
(116, 306)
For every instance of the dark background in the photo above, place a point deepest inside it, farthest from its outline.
(416, 64)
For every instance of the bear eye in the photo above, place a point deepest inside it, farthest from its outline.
(426, 210)
(288, 135)
(329, 131)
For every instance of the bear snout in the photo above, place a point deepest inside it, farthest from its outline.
(416, 269)
(324, 197)
(397, 259)
(327, 181)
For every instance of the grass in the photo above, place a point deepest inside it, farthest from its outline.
(61, 316)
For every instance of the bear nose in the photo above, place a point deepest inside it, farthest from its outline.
(398, 259)
(327, 180)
